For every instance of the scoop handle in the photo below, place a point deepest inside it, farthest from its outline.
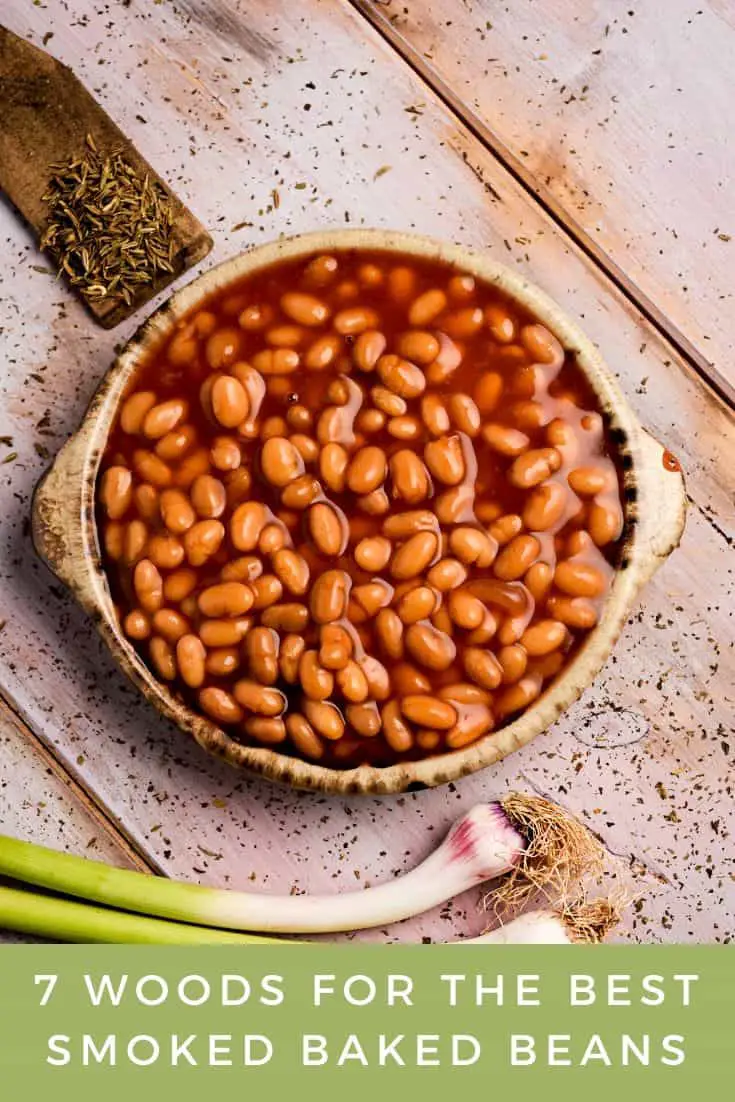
(663, 504)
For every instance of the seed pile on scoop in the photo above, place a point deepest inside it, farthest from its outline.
(359, 510)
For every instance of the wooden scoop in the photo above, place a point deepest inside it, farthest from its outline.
(46, 115)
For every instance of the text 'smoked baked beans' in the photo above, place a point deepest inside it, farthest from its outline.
(360, 509)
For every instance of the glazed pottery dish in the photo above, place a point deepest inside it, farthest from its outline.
(360, 511)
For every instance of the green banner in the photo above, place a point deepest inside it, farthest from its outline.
(313, 1022)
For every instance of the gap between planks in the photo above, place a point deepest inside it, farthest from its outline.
(115, 832)
(722, 387)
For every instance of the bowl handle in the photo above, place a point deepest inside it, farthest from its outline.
(58, 521)
(662, 503)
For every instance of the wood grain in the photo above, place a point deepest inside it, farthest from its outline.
(615, 119)
(46, 117)
(283, 118)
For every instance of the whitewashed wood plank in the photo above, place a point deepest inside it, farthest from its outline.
(619, 112)
(239, 100)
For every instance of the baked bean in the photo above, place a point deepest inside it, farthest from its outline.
(323, 352)
(329, 595)
(538, 580)
(166, 551)
(337, 425)
(302, 492)
(224, 454)
(222, 661)
(267, 589)
(446, 363)
(137, 625)
(229, 401)
(333, 462)
(500, 323)
(355, 320)
(191, 467)
(389, 631)
(285, 617)
(203, 540)
(456, 506)
(176, 512)
(466, 610)
(246, 524)
(368, 349)
(164, 417)
(255, 317)
(434, 414)
(270, 730)
(575, 612)
(417, 605)
(352, 682)
(419, 346)
(388, 402)
(316, 681)
(409, 477)
(225, 599)
(220, 705)
(401, 376)
(578, 542)
(276, 361)
(460, 288)
(427, 307)
(325, 718)
(505, 528)
(488, 391)
(482, 667)
(473, 546)
(505, 439)
(145, 499)
(183, 349)
(415, 555)
(516, 557)
(321, 271)
(404, 428)
(224, 633)
(372, 596)
(328, 528)
(367, 470)
(285, 336)
(542, 345)
(373, 554)
(289, 657)
(517, 697)
(262, 699)
(543, 637)
(135, 409)
(292, 569)
(304, 309)
(605, 522)
(116, 491)
(484, 631)
(178, 585)
(397, 733)
(148, 586)
(370, 421)
(280, 461)
(445, 459)
(135, 539)
(474, 725)
(580, 579)
(335, 648)
(303, 736)
(244, 569)
(430, 647)
(588, 481)
(364, 718)
(162, 657)
(545, 507)
(487, 511)
(463, 324)
(222, 348)
(513, 661)
(533, 467)
(447, 574)
(377, 677)
(464, 692)
(429, 711)
(150, 468)
(190, 660)
(176, 443)
(464, 414)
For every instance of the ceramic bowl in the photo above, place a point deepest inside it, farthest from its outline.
(65, 531)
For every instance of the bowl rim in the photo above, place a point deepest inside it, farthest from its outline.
(66, 533)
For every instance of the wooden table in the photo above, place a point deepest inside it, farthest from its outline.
(577, 149)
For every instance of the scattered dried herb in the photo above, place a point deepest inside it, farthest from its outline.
(109, 228)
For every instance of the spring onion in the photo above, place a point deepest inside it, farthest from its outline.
(526, 839)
